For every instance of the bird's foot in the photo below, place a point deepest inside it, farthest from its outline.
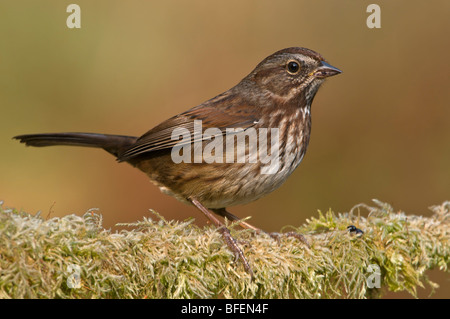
(229, 240)
(233, 246)
(300, 237)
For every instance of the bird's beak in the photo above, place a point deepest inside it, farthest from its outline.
(325, 70)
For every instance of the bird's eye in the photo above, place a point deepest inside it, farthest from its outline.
(293, 67)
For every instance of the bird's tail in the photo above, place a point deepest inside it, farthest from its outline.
(114, 144)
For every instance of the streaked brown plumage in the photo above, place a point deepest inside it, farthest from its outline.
(277, 94)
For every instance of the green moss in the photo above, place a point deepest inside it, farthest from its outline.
(74, 257)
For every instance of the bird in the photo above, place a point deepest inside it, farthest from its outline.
(229, 150)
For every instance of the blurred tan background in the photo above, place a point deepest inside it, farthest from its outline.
(380, 130)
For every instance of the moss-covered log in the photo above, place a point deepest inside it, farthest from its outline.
(75, 257)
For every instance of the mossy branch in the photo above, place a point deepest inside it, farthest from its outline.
(74, 257)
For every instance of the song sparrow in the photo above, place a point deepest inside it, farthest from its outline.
(277, 94)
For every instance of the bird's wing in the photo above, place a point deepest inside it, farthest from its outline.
(224, 111)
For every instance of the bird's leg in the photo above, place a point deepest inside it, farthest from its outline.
(229, 240)
(224, 213)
